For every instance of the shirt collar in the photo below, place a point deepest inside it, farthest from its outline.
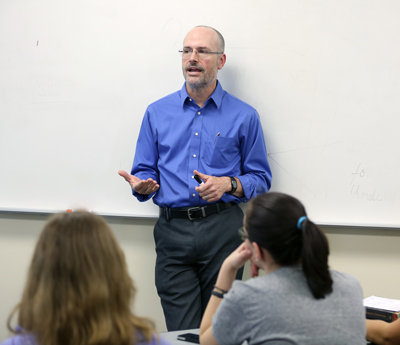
(216, 96)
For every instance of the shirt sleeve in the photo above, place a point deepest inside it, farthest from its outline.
(9, 341)
(229, 324)
(146, 155)
(257, 176)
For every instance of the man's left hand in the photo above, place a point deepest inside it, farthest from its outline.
(213, 187)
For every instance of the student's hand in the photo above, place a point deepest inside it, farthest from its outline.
(239, 257)
(213, 188)
(254, 270)
(140, 186)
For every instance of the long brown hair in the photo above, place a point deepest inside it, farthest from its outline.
(78, 290)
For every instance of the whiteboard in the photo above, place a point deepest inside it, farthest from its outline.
(76, 77)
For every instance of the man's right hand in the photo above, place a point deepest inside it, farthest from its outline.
(140, 186)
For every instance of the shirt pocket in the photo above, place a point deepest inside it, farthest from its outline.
(223, 153)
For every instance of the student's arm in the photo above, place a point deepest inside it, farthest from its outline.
(383, 333)
(225, 280)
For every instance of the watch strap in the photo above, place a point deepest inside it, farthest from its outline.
(233, 184)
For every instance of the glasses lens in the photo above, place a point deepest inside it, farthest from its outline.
(186, 53)
(203, 53)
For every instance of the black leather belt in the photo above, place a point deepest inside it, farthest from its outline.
(194, 213)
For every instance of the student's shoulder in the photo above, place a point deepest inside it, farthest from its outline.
(343, 280)
(343, 276)
(252, 286)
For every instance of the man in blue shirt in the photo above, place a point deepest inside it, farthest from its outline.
(199, 130)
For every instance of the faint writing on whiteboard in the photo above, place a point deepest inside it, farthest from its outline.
(364, 193)
(358, 192)
(358, 173)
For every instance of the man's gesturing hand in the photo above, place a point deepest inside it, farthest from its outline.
(140, 186)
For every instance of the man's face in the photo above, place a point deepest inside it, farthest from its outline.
(201, 71)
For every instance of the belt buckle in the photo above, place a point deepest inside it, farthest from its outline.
(189, 210)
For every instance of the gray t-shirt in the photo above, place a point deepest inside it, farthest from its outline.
(278, 308)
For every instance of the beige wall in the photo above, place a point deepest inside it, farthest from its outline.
(372, 255)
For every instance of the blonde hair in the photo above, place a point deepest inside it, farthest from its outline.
(78, 290)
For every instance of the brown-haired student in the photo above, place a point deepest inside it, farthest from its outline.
(78, 290)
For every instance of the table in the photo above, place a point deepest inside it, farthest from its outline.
(172, 337)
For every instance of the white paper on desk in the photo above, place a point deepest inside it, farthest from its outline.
(382, 303)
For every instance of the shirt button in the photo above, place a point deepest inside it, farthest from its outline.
(198, 113)
(190, 99)
(192, 176)
(196, 133)
(194, 156)
(194, 195)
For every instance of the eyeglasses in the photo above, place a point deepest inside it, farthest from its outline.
(242, 234)
(201, 53)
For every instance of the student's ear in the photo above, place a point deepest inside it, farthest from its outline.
(257, 252)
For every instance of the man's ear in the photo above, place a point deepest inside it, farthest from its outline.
(221, 60)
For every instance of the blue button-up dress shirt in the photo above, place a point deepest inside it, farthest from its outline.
(223, 138)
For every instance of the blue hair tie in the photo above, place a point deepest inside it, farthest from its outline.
(300, 222)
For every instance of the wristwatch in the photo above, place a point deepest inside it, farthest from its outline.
(234, 185)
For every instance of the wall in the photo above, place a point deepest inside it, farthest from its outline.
(372, 255)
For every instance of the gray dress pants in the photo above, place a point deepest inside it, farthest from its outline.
(189, 256)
